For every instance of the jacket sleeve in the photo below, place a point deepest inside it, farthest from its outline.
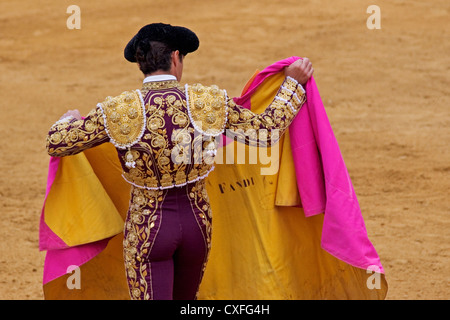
(69, 136)
(265, 129)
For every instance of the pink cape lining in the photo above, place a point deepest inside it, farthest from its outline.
(323, 181)
(57, 250)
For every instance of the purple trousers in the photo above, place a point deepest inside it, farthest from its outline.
(167, 238)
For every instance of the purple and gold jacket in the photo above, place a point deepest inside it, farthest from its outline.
(166, 135)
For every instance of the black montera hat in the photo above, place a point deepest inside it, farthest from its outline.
(177, 38)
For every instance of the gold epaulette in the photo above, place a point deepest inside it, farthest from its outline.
(124, 117)
(207, 108)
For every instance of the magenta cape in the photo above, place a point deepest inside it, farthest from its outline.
(323, 181)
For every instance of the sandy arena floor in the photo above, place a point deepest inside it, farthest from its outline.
(386, 92)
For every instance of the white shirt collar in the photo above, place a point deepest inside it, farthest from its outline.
(160, 77)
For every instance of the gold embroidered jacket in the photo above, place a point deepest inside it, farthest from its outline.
(166, 134)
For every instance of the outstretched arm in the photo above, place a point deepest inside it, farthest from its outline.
(266, 128)
(71, 134)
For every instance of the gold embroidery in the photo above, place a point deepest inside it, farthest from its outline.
(157, 85)
(167, 149)
(125, 117)
(200, 200)
(142, 219)
(71, 137)
(207, 109)
(290, 84)
(254, 128)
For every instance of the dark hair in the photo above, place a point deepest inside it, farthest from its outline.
(153, 56)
